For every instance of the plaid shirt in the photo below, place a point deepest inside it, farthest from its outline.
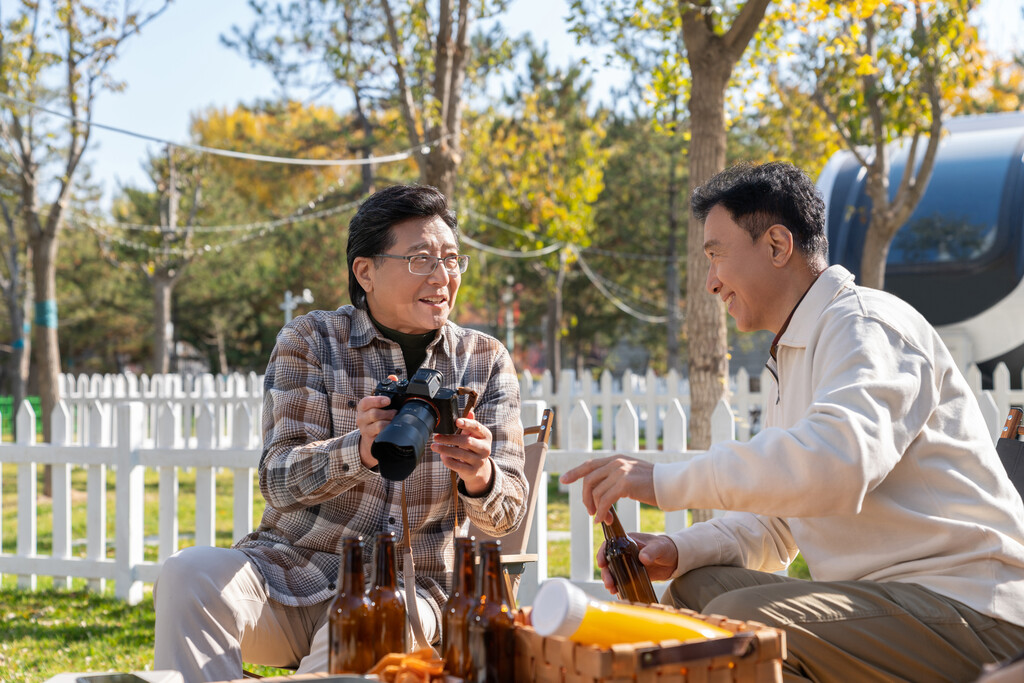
(316, 487)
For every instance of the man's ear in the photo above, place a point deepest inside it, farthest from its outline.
(780, 243)
(362, 268)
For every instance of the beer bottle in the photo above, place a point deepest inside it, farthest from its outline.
(350, 616)
(491, 639)
(623, 555)
(387, 601)
(455, 617)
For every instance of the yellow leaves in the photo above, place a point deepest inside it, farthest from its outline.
(865, 66)
(288, 129)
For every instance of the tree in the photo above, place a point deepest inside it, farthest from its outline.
(76, 42)
(637, 246)
(536, 164)
(714, 37)
(170, 250)
(401, 54)
(1002, 88)
(268, 209)
(881, 72)
(629, 36)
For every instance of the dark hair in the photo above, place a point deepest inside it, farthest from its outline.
(760, 196)
(369, 231)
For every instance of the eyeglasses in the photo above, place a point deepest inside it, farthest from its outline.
(421, 264)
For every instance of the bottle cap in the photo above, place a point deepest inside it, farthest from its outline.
(558, 608)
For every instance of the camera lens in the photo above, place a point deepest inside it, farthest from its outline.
(399, 447)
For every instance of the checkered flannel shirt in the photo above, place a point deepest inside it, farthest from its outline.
(316, 487)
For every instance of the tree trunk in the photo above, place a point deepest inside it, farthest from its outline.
(672, 269)
(163, 286)
(876, 251)
(553, 325)
(440, 169)
(222, 350)
(705, 313)
(18, 365)
(46, 351)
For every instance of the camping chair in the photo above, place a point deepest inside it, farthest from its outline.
(513, 545)
(1011, 450)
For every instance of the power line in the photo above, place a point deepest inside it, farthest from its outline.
(399, 156)
(299, 216)
(603, 286)
(617, 302)
(483, 218)
(551, 248)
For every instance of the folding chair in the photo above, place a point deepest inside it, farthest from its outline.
(1011, 450)
(513, 546)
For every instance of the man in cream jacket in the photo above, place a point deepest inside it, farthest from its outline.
(875, 463)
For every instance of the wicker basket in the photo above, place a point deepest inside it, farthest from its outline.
(754, 656)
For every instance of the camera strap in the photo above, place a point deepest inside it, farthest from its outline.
(409, 572)
(408, 566)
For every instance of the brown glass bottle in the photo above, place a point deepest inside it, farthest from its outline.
(491, 640)
(389, 625)
(350, 616)
(455, 617)
(623, 555)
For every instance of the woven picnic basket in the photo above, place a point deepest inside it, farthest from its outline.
(754, 655)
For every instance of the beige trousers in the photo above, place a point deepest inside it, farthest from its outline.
(855, 631)
(213, 612)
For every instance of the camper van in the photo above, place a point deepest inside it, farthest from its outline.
(959, 260)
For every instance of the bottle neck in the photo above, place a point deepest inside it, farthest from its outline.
(492, 586)
(351, 579)
(386, 574)
(613, 530)
(465, 582)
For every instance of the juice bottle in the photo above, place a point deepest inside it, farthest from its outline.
(562, 609)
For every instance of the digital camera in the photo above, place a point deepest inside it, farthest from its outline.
(424, 407)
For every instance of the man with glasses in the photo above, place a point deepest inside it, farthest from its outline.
(265, 600)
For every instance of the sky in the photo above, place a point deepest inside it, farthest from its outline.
(178, 67)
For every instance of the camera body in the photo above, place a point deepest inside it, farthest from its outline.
(424, 407)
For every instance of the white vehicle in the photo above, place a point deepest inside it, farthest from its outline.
(959, 260)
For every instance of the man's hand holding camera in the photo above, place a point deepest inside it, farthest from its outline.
(463, 444)
(372, 416)
(467, 453)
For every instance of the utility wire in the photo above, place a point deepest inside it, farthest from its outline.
(248, 227)
(399, 156)
(617, 302)
(586, 250)
(551, 248)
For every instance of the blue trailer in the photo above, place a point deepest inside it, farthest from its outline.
(959, 259)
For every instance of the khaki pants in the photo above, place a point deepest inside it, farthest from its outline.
(855, 631)
(213, 613)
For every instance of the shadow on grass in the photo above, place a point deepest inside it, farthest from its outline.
(47, 632)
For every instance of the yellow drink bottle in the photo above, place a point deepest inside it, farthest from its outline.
(562, 609)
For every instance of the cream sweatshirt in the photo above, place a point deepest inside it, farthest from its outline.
(875, 463)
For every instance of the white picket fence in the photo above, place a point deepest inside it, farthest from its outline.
(652, 395)
(212, 426)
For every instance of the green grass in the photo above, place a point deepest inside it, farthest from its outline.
(51, 631)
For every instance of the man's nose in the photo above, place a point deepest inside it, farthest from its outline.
(440, 274)
(712, 285)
